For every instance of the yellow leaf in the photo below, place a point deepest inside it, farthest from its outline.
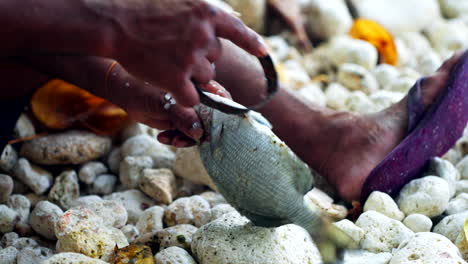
(378, 36)
(136, 254)
(60, 105)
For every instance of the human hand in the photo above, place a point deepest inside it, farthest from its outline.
(170, 43)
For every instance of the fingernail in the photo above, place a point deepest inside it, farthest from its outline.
(196, 132)
(262, 49)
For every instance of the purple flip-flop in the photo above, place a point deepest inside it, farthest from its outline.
(431, 133)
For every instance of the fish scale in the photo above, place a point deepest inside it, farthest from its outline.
(253, 169)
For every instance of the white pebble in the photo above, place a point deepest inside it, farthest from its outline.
(458, 204)
(43, 219)
(220, 210)
(353, 231)
(85, 200)
(453, 156)
(8, 255)
(383, 99)
(90, 170)
(38, 179)
(159, 184)
(428, 196)
(385, 74)
(448, 36)
(399, 15)
(7, 219)
(113, 213)
(173, 236)
(446, 171)
(130, 232)
(173, 255)
(8, 239)
(6, 187)
(33, 255)
(24, 242)
(427, 248)
(188, 165)
(402, 85)
(72, 258)
(462, 186)
(113, 160)
(9, 158)
(24, 127)
(312, 94)
(327, 18)
(454, 8)
(233, 239)
(65, 190)
(451, 225)
(213, 198)
(319, 199)
(188, 210)
(150, 220)
(353, 51)
(134, 201)
(359, 102)
(104, 184)
(462, 167)
(336, 96)
(131, 170)
(144, 145)
(22, 206)
(418, 223)
(381, 233)
(296, 75)
(357, 78)
(362, 256)
(278, 46)
(384, 204)
(81, 230)
(252, 12)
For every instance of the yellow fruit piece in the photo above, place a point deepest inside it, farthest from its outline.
(378, 36)
(136, 254)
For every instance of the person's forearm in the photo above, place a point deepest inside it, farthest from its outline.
(53, 27)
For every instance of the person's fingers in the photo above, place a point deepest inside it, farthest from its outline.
(108, 79)
(166, 137)
(214, 50)
(233, 29)
(203, 71)
(182, 141)
(185, 94)
(216, 88)
(175, 138)
(187, 121)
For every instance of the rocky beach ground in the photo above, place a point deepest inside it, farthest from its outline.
(72, 197)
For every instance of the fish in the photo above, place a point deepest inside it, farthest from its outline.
(259, 175)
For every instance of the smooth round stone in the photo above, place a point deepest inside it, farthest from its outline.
(399, 15)
(71, 147)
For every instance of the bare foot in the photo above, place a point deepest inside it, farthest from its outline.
(357, 144)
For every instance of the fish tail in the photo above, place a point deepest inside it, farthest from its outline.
(308, 217)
